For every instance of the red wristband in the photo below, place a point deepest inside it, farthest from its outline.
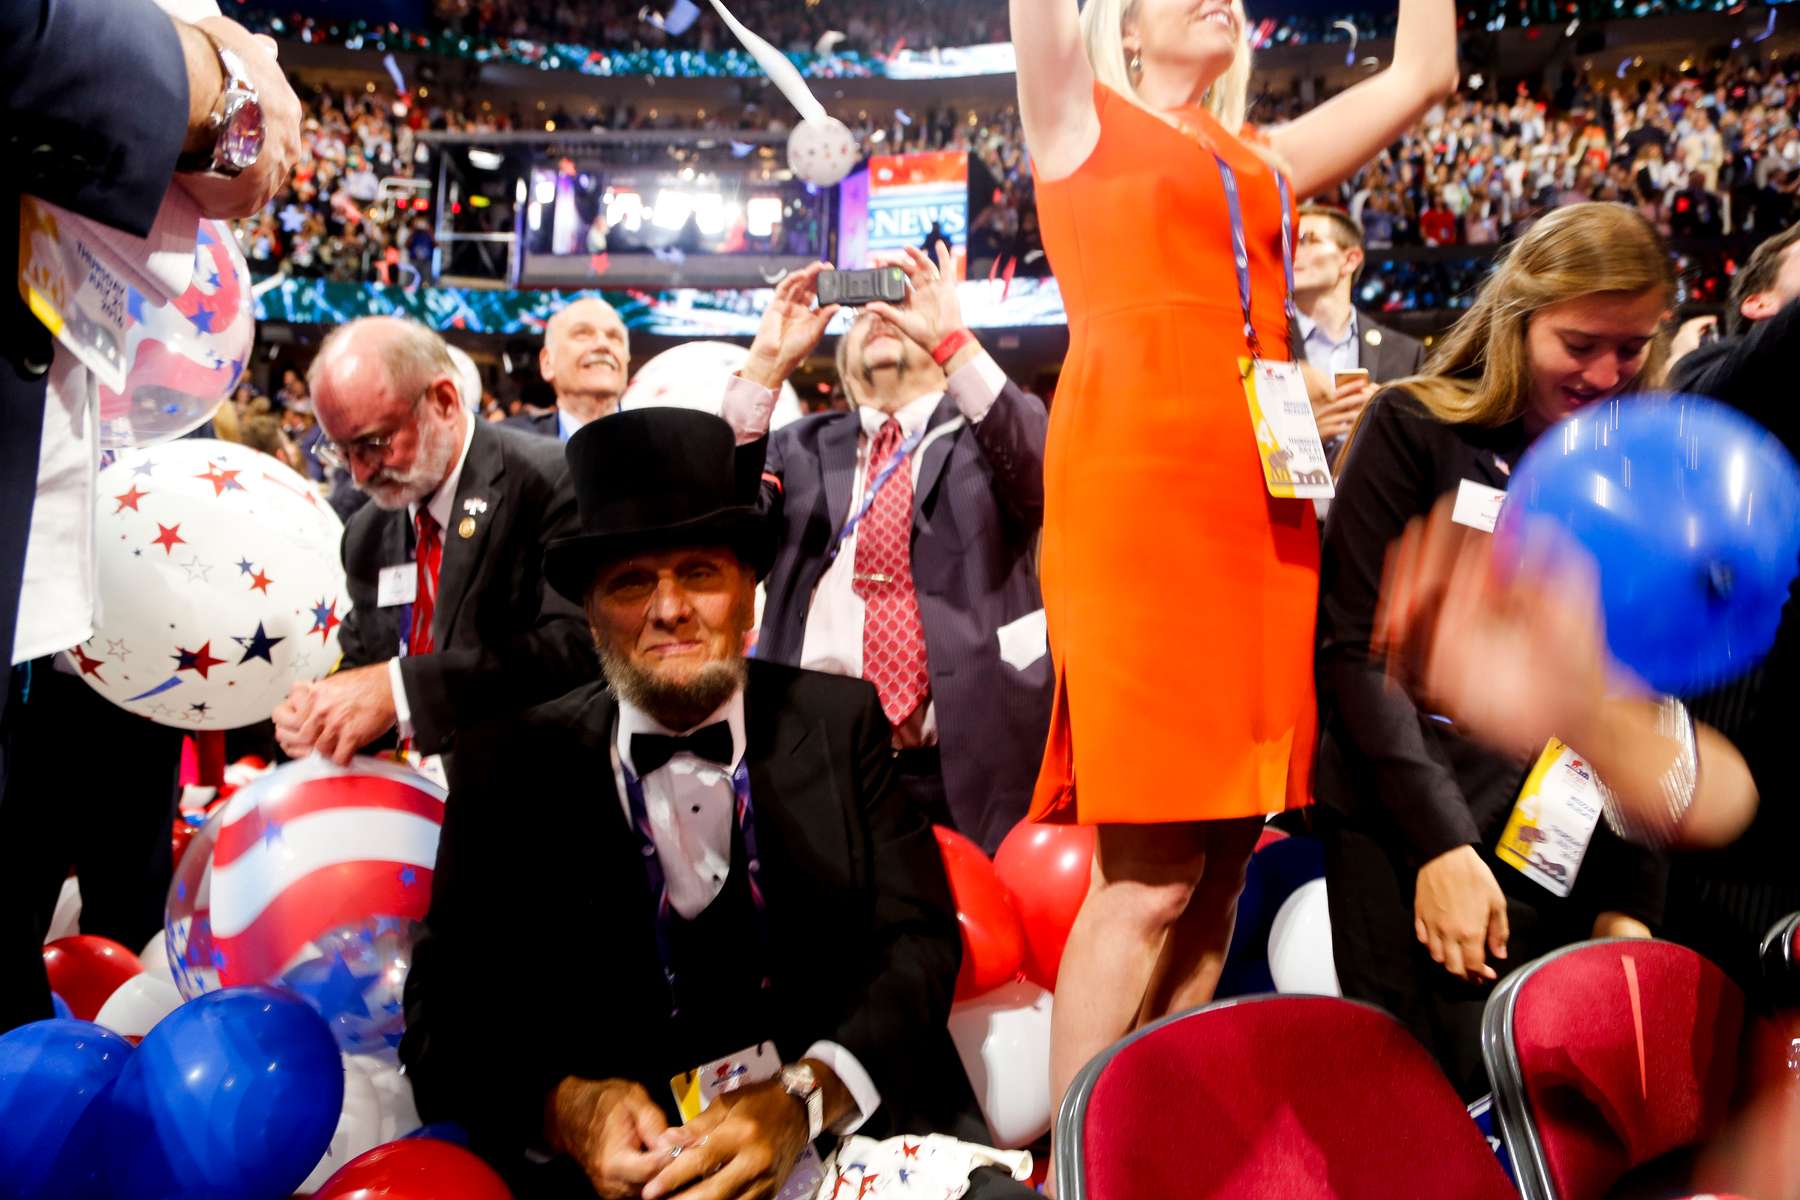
(953, 341)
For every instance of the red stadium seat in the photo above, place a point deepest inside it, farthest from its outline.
(1607, 1057)
(1274, 1096)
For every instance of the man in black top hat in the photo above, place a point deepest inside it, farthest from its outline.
(719, 880)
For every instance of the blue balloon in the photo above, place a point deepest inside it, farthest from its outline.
(1691, 512)
(60, 1007)
(51, 1073)
(233, 1095)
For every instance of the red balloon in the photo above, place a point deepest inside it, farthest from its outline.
(415, 1169)
(85, 971)
(1046, 868)
(993, 940)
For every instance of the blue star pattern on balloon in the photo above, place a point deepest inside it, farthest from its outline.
(144, 468)
(331, 987)
(202, 318)
(244, 566)
(271, 833)
(408, 877)
(258, 645)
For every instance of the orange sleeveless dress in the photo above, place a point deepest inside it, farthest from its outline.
(1180, 594)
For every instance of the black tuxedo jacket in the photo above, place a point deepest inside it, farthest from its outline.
(505, 639)
(540, 958)
(978, 508)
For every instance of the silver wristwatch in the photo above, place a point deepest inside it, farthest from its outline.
(799, 1082)
(236, 123)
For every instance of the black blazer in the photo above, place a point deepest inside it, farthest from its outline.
(540, 423)
(540, 961)
(977, 510)
(93, 111)
(1387, 354)
(505, 639)
(1383, 764)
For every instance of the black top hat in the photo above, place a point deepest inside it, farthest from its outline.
(652, 479)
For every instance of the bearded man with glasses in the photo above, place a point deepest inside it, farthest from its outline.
(451, 619)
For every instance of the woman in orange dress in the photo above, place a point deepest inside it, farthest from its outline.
(1180, 592)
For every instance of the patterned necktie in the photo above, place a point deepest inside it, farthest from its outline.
(893, 631)
(429, 555)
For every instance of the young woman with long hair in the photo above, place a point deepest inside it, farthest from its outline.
(1425, 915)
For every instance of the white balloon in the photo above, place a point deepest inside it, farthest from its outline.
(378, 1108)
(156, 956)
(694, 375)
(66, 920)
(220, 585)
(1300, 944)
(137, 1004)
(1003, 1037)
(822, 152)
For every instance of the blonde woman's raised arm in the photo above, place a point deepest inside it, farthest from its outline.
(1329, 144)
(1056, 85)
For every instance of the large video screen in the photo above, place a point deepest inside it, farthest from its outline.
(588, 223)
(913, 197)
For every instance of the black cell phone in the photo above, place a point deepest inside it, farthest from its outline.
(860, 287)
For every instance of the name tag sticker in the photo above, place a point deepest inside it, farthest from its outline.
(696, 1089)
(1478, 505)
(1287, 436)
(1553, 821)
(397, 585)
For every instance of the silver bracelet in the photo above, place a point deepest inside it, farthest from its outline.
(1656, 826)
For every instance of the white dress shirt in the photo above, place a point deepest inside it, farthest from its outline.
(59, 595)
(441, 506)
(1327, 356)
(690, 804)
(834, 620)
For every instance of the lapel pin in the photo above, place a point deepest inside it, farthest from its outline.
(467, 527)
(1373, 337)
(474, 506)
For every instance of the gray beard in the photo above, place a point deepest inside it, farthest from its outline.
(391, 492)
(677, 706)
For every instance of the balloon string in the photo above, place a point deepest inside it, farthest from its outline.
(781, 72)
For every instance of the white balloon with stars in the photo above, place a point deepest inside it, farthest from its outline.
(219, 581)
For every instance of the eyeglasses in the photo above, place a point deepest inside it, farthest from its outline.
(371, 447)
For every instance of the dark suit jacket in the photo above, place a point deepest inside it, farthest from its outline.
(93, 111)
(1387, 354)
(1383, 764)
(540, 423)
(977, 510)
(505, 639)
(540, 961)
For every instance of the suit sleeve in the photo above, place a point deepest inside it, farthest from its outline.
(353, 633)
(1752, 373)
(1387, 481)
(918, 947)
(95, 97)
(552, 652)
(1011, 437)
(469, 1060)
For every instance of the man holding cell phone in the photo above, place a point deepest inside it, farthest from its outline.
(1354, 354)
(906, 531)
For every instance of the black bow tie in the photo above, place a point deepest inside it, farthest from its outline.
(650, 751)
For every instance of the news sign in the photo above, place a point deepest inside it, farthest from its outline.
(910, 194)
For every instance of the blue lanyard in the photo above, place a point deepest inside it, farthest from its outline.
(1240, 251)
(659, 885)
(875, 485)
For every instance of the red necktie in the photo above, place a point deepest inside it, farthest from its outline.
(430, 553)
(893, 631)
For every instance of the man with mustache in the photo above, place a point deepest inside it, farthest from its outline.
(906, 535)
(451, 617)
(585, 359)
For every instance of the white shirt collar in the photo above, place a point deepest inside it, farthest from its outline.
(1307, 325)
(443, 501)
(914, 417)
(633, 719)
